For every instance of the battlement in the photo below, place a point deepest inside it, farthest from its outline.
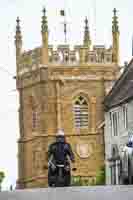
(64, 55)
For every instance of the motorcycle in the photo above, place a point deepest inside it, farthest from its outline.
(59, 175)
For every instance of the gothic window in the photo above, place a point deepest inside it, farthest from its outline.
(34, 118)
(33, 113)
(66, 56)
(81, 112)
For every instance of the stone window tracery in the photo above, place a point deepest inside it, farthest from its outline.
(34, 113)
(34, 118)
(66, 56)
(81, 112)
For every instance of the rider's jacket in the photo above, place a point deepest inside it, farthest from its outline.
(60, 150)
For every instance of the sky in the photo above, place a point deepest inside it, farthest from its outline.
(99, 14)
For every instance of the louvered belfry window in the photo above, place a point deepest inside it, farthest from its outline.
(81, 112)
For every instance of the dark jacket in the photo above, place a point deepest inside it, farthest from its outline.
(60, 150)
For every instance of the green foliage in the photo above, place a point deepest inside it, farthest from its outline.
(79, 181)
(85, 182)
(100, 177)
(92, 182)
(2, 176)
(76, 181)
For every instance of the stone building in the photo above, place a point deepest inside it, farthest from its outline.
(63, 89)
(118, 126)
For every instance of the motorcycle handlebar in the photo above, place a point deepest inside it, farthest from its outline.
(60, 165)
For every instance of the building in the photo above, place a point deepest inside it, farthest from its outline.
(118, 123)
(63, 89)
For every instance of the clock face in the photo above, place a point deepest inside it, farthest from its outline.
(84, 150)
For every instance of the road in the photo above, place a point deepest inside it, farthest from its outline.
(71, 193)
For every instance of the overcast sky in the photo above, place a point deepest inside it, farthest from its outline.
(30, 13)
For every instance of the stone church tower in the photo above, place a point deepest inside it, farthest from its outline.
(63, 89)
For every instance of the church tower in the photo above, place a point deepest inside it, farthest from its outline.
(63, 89)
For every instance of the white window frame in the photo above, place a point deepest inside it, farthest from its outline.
(125, 115)
(114, 122)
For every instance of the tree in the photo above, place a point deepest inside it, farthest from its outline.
(2, 176)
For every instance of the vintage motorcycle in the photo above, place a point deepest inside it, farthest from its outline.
(59, 175)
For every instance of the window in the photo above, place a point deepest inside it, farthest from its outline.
(66, 56)
(110, 118)
(124, 109)
(114, 124)
(114, 165)
(81, 112)
(34, 113)
(34, 119)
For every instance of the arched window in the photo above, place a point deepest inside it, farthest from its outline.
(81, 112)
(34, 113)
(34, 118)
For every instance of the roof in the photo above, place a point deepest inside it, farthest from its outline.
(122, 90)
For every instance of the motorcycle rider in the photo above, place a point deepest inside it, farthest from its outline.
(58, 153)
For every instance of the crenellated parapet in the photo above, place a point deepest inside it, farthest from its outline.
(64, 55)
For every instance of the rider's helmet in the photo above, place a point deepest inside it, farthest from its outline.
(60, 136)
(60, 132)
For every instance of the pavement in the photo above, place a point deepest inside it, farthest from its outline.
(119, 192)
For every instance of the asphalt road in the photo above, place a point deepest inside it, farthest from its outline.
(71, 193)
